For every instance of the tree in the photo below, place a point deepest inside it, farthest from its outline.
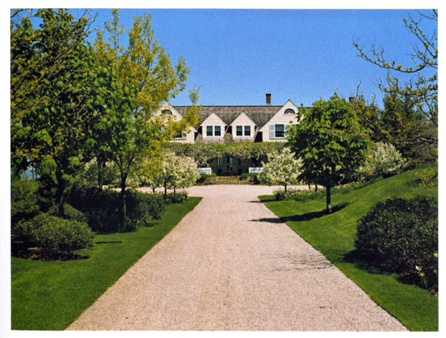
(175, 172)
(137, 133)
(56, 90)
(283, 169)
(422, 92)
(383, 159)
(331, 143)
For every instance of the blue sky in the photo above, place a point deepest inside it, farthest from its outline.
(238, 55)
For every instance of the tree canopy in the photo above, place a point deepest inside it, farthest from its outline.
(331, 143)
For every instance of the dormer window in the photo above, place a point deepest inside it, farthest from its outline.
(213, 131)
(290, 111)
(243, 130)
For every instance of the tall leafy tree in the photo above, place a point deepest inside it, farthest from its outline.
(55, 96)
(331, 143)
(144, 67)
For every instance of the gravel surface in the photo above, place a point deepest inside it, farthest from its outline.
(231, 264)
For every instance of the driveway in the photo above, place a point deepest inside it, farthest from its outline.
(231, 264)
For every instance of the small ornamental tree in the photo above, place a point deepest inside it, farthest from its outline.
(384, 159)
(282, 169)
(176, 172)
(331, 143)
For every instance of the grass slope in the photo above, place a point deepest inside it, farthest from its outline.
(51, 295)
(333, 235)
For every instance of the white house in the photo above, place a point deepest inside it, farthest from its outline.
(222, 124)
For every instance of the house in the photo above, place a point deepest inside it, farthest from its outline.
(223, 124)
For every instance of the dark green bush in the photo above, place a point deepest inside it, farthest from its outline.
(24, 201)
(253, 176)
(69, 213)
(178, 197)
(401, 235)
(55, 234)
(144, 207)
(102, 208)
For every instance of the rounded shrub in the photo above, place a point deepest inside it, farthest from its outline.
(401, 235)
(55, 234)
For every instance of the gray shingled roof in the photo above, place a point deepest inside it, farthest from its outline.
(259, 114)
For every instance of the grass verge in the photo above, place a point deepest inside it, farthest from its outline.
(333, 235)
(51, 295)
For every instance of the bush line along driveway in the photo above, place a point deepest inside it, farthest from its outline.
(231, 264)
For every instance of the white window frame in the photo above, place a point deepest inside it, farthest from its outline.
(244, 134)
(273, 131)
(213, 130)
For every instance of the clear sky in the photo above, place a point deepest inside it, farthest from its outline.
(238, 55)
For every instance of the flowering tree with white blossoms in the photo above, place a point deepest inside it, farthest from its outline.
(282, 169)
(177, 172)
(383, 159)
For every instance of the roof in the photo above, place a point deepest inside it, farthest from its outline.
(260, 115)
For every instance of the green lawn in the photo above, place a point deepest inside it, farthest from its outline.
(51, 295)
(333, 235)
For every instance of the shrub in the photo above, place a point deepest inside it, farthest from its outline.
(401, 235)
(300, 195)
(178, 197)
(24, 201)
(102, 208)
(253, 176)
(144, 207)
(55, 234)
(69, 213)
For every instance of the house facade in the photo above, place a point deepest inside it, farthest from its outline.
(224, 124)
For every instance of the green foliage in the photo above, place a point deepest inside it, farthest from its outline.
(334, 235)
(55, 234)
(56, 96)
(101, 207)
(402, 235)
(24, 200)
(51, 295)
(300, 195)
(331, 143)
(203, 153)
(177, 197)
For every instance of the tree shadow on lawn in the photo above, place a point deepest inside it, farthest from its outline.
(304, 217)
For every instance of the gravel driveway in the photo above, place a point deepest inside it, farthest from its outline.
(231, 264)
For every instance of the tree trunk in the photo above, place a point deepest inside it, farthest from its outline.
(60, 194)
(100, 171)
(123, 209)
(328, 199)
(285, 188)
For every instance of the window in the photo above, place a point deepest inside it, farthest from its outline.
(181, 136)
(213, 131)
(166, 112)
(243, 130)
(289, 111)
(277, 131)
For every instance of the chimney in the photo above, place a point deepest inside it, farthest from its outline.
(268, 98)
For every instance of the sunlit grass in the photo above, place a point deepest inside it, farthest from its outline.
(333, 235)
(51, 295)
